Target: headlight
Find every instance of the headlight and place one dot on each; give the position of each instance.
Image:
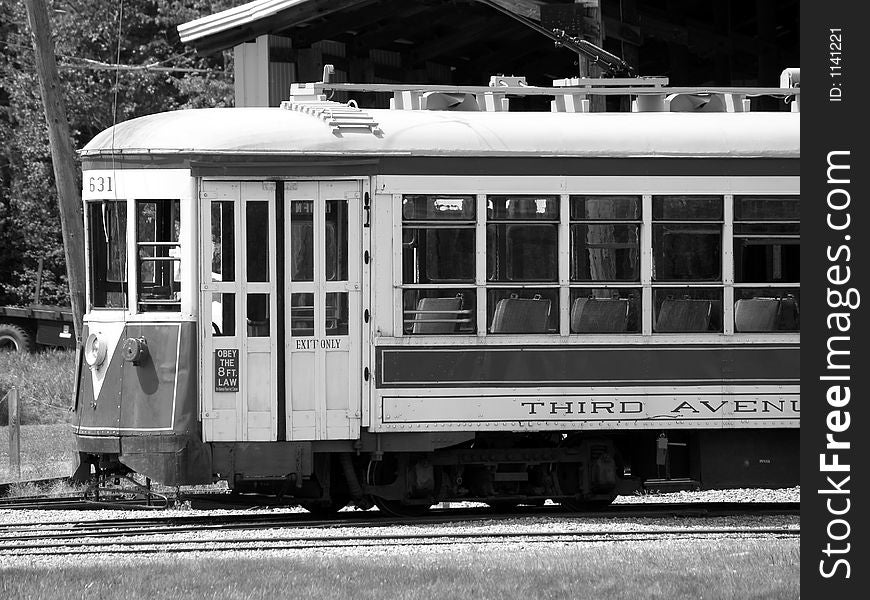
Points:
(95, 351)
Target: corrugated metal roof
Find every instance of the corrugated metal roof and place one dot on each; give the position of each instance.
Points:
(275, 131)
(256, 17)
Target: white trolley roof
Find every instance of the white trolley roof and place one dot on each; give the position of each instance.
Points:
(282, 132)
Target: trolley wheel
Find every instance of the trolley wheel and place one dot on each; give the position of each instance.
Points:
(324, 509)
(397, 508)
(384, 472)
(587, 505)
(569, 480)
(15, 338)
(503, 506)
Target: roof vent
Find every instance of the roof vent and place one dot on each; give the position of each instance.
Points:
(341, 117)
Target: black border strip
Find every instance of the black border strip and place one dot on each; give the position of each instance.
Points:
(269, 166)
(835, 50)
(500, 366)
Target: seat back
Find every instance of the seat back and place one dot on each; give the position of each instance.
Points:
(429, 319)
(521, 315)
(756, 314)
(684, 315)
(599, 315)
(789, 315)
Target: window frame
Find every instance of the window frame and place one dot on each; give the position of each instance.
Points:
(124, 284)
(726, 289)
(737, 287)
(412, 316)
(173, 303)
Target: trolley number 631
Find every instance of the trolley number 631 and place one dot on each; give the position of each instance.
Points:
(100, 184)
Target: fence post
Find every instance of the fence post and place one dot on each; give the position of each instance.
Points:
(14, 435)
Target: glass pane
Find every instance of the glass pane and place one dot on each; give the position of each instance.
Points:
(522, 310)
(687, 252)
(438, 208)
(766, 260)
(158, 226)
(257, 237)
(605, 252)
(525, 208)
(601, 310)
(301, 314)
(223, 265)
(687, 310)
(336, 240)
(687, 208)
(789, 229)
(146, 231)
(766, 208)
(336, 313)
(223, 315)
(766, 309)
(258, 315)
(605, 208)
(440, 311)
(522, 252)
(302, 240)
(107, 245)
(437, 255)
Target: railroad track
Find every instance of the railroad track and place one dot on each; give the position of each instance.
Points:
(130, 542)
(85, 500)
(157, 524)
(163, 532)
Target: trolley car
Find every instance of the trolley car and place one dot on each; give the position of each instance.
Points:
(408, 306)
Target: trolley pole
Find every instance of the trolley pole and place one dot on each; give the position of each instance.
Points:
(62, 157)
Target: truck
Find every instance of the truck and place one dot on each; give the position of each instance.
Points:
(26, 328)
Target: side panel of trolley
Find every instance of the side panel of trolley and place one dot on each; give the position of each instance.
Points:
(587, 387)
(702, 343)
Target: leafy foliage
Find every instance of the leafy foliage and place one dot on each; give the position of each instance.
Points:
(90, 37)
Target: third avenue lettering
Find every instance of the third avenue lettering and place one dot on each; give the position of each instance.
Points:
(638, 409)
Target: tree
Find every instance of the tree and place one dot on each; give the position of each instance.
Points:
(91, 37)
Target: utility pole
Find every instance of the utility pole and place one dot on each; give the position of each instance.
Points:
(62, 157)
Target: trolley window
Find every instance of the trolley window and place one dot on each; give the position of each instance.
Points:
(522, 263)
(605, 238)
(223, 264)
(687, 250)
(766, 263)
(438, 264)
(158, 224)
(605, 248)
(107, 247)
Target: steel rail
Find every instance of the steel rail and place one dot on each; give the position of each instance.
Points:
(376, 519)
(263, 543)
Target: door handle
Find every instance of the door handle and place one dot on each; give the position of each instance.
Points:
(367, 208)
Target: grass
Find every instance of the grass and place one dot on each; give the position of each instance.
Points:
(46, 451)
(700, 569)
(45, 383)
